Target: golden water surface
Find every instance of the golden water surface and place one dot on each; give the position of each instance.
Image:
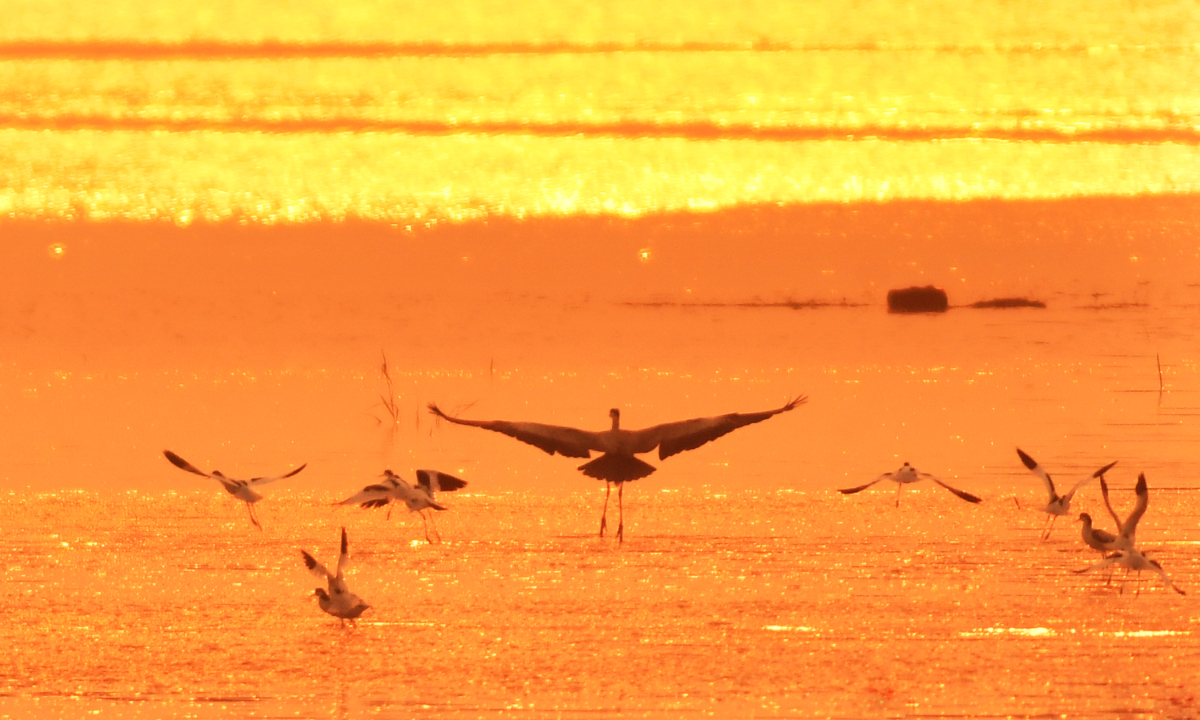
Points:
(219, 220)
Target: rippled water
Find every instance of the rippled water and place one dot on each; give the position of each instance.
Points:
(719, 603)
(746, 587)
(464, 112)
(216, 222)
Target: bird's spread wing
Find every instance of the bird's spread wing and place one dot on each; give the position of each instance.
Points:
(265, 480)
(1106, 562)
(1079, 486)
(1104, 492)
(371, 496)
(860, 488)
(1040, 472)
(566, 441)
(435, 481)
(315, 567)
(1098, 474)
(183, 464)
(961, 493)
(1163, 574)
(676, 437)
(1129, 527)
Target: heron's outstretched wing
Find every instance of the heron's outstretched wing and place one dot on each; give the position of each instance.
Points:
(1040, 472)
(435, 481)
(265, 480)
(860, 488)
(184, 464)
(566, 441)
(675, 437)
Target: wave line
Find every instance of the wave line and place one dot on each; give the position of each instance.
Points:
(235, 50)
(704, 130)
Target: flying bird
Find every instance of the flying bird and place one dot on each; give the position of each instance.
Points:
(1126, 537)
(909, 474)
(1059, 504)
(338, 601)
(618, 446)
(1136, 560)
(418, 498)
(240, 489)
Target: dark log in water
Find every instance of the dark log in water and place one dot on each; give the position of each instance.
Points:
(917, 299)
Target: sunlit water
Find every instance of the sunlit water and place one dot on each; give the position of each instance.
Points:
(216, 223)
(747, 586)
(467, 111)
(733, 604)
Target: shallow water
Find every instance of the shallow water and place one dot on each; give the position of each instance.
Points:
(216, 222)
(770, 603)
(746, 587)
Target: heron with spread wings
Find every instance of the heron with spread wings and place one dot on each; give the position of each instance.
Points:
(618, 446)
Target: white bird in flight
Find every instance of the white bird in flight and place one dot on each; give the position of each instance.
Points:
(338, 601)
(240, 489)
(909, 474)
(1126, 538)
(618, 446)
(1133, 559)
(1058, 504)
(418, 498)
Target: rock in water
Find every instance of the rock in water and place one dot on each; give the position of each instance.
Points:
(917, 299)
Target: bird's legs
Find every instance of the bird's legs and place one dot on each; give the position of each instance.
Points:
(1048, 526)
(425, 522)
(621, 512)
(436, 534)
(253, 519)
(604, 512)
(898, 486)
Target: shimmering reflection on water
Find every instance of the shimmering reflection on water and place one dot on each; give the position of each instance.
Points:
(732, 604)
